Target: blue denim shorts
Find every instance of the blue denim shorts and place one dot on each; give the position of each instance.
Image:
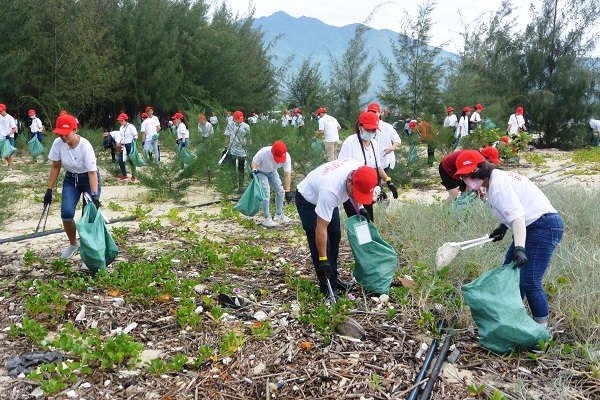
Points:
(73, 186)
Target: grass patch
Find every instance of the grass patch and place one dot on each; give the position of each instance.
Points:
(590, 154)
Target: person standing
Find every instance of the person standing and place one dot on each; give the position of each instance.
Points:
(328, 127)
(237, 136)
(363, 147)
(475, 119)
(516, 123)
(521, 206)
(317, 199)
(150, 134)
(124, 137)
(451, 120)
(8, 127)
(265, 164)
(77, 156)
(300, 118)
(284, 119)
(214, 121)
(387, 138)
(183, 133)
(462, 129)
(205, 128)
(36, 127)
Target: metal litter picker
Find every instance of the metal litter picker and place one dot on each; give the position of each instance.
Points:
(449, 250)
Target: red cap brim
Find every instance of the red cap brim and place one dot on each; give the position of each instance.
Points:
(495, 160)
(362, 198)
(465, 170)
(62, 131)
(280, 159)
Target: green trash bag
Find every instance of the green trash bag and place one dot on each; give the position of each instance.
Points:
(35, 147)
(499, 312)
(595, 140)
(375, 260)
(463, 202)
(135, 156)
(317, 146)
(490, 124)
(251, 199)
(6, 149)
(96, 245)
(413, 155)
(186, 156)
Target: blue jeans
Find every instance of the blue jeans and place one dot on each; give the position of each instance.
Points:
(122, 164)
(271, 179)
(308, 216)
(12, 141)
(542, 237)
(39, 135)
(73, 186)
(151, 148)
(183, 143)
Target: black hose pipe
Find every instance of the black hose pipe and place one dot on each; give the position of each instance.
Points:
(439, 362)
(428, 358)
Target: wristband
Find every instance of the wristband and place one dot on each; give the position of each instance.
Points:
(94, 193)
(388, 179)
(324, 258)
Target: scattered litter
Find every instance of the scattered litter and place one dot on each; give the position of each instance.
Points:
(37, 393)
(130, 327)
(235, 302)
(226, 361)
(71, 394)
(81, 315)
(259, 369)
(306, 345)
(421, 350)
(199, 310)
(23, 364)
(260, 316)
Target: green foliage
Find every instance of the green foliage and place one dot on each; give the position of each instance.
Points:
(590, 154)
(50, 301)
(307, 88)
(56, 377)
(119, 234)
(231, 342)
(262, 329)
(31, 329)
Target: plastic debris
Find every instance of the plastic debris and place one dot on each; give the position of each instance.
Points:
(24, 364)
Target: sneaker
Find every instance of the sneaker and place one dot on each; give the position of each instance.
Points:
(10, 168)
(69, 251)
(133, 180)
(268, 223)
(282, 219)
(123, 178)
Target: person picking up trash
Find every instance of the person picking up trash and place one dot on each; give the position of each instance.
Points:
(317, 199)
(519, 204)
(76, 154)
(363, 147)
(264, 168)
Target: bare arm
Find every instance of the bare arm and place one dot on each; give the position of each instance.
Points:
(321, 236)
(382, 174)
(54, 170)
(93, 177)
(287, 177)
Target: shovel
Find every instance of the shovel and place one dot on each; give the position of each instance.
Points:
(44, 214)
(349, 327)
(449, 250)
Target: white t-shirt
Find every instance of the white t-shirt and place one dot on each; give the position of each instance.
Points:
(7, 123)
(325, 186)
(329, 126)
(450, 121)
(205, 129)
(284, 121)
(182, 131)
(213, 120)
(595, 124)
(229, 118)
(386, 137)
(462, 129)
(36, 125)
(127, 133)
(79, 160)
(512, 196)
(150, 126)
(515, 122)
(351, 149)
(300, 120)
(265, 162)
(475, 117)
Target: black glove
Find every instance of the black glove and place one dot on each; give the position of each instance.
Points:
(48, 197)
(288, 196)
(96, 200)
(392, 187)
(363, 211)
(323, 269)
(177, 141)
(519, 257)
(498, 233)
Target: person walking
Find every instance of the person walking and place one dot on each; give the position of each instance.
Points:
(77, 156)
(8, 127)
(183, 133)
(205, 128)
(150, 133)
(516, 123)
(387, 139)
(363, 147)
(124, 137)
(300, 118)
(475, 119)
(328, 127)
(521, 206)
(214, 121)
(317, 199)
(265, 164)
(237, 137)
(36, 127)
(451, 121)
(462, 128)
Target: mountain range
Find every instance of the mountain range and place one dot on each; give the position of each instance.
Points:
(305, 37)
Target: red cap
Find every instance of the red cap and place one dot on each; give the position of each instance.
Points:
(298, 110)
(479, 107)
(65, 124)
(491, 153)
(519, 110)
(2, 107)
(364, 181)
(238, 116)
(369, 120)
(279, 149)
(144, 115)
(148, 108)
(450, 108)
(374, 107)
(177, 115)
(31, 112)
(122, 117)
(505, 139)
(321, 110)
(63, 112)
(412, 124)
(467, 162)
(467, 109)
